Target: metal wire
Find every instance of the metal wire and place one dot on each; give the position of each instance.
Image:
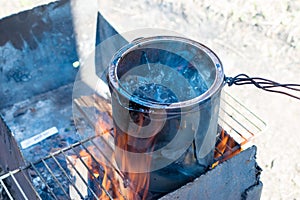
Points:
(79, 174)
(235, 122)
(264, 84)
(95, 160)
(29, 183)
(6, 190)
(43, 180)
(66, 175)
(54, 177)
(99, 185)
(18, 185)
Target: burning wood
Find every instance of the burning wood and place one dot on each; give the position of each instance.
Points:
(226, 148)
(115, 182)
(74, 164)
(93, 168)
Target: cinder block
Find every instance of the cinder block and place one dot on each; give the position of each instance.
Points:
(229, 180)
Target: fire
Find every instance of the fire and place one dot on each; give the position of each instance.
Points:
(112, 168)
(137, 181)
(226, 148)
(118, 184)
(121, 184)
(115, 182)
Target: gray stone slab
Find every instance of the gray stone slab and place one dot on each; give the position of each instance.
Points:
(228, 180)
(254, 192)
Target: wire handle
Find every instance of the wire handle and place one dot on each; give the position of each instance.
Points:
(262, 83)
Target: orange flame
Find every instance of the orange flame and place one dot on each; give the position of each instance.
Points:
(139, 182)
(134, 186)
(120, 185)
(226, 148)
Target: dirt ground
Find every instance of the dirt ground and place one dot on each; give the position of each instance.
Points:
(259, 38)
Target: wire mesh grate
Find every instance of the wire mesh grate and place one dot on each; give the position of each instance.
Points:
(69, 174)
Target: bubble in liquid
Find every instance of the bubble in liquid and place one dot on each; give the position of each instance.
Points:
(159, 83)
(155, 93)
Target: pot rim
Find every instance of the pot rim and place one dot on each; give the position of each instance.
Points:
(217, 85)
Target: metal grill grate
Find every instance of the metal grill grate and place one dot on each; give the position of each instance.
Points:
(65, 174)
(239, 122)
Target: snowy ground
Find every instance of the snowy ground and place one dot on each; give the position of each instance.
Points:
(259, 38)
